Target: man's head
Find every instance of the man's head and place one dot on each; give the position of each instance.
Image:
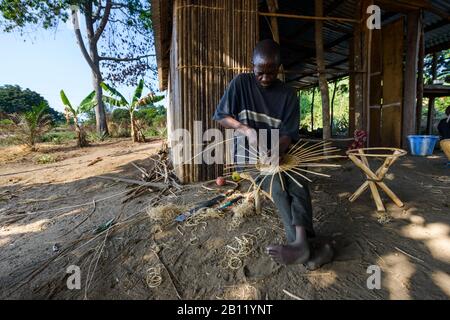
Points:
(447, 111)
(266, 62)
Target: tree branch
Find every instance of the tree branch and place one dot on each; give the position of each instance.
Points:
(104, 20)
(125, 59)
(96, 16)
(81, 42)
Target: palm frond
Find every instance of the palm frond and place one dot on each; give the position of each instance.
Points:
(67, 103)
(114, 92)
(113, 102)
(138, 92)
(88, 103)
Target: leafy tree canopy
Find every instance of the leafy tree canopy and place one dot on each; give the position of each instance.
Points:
(124, 39)
(14, 99)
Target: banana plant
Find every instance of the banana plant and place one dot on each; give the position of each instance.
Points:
(87, 104)
(116, 99)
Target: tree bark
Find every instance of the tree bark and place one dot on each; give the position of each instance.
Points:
(133, 127)
(323, 84)
(100, 115)
(92, 58)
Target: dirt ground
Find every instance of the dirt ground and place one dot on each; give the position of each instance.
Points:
(46, 210)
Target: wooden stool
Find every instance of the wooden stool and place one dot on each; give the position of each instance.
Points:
(374, 179)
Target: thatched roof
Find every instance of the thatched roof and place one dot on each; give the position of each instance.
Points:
(162, 28)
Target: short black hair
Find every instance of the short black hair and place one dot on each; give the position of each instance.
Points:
(447, 111)
(267, 50)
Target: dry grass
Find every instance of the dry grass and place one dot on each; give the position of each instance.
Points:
(165, 214)
(241, 212)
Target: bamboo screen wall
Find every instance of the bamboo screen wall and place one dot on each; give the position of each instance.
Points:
(212, 41)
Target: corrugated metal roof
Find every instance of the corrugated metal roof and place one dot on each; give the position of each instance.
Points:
(297, 36)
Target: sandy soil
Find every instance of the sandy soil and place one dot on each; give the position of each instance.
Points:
(42, 205)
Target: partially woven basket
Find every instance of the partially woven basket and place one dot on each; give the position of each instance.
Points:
(445, 146)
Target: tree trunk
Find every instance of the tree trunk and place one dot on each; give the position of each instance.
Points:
(323, 84)
(92, 59)
(100, 115)
(133, 127)
(81, 137)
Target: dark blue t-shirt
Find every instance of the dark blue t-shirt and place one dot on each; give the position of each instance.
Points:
(275, 107)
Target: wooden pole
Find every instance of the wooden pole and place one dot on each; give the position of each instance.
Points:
(312, 109)
(367, 53)
(332, 107)
(323, 83)
(273, 7)
(410, 82)
(420, 79)
(431, 100)
(358, 87)
(351, 96)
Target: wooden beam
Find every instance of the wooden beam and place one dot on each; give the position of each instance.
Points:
(410, 82)
(321, 67)
(301, 17)
(438, 47)
(436, 25)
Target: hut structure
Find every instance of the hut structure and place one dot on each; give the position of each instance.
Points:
(202, 44)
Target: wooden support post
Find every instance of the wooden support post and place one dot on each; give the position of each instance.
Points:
(420, 79)
(410, 83)
(367, 54)
(312, 109)
(323, 84)
(351, 96)
(273, 7)
(430, 117)
(358, 77)
(332, 107)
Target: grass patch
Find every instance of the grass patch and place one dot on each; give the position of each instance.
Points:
(46, 158)
(59, 137)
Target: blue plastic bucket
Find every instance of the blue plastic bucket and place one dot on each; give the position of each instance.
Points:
(422, 145)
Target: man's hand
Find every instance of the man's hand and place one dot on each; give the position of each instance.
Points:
(251, 135)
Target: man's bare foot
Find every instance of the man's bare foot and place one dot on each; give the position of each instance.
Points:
(320, 256)
(290, 253)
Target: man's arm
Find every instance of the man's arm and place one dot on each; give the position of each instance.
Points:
(229, 122)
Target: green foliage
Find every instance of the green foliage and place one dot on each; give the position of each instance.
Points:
(443, 67)
(46, 158)
(120, 115)
(14, 99)
(59, 137)
(19, 13)
(86, 105)
(93, 136)
(6, 122)
(141, 110)
(152, 116)
(30, 126)
(127, 32)
(340, 109)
